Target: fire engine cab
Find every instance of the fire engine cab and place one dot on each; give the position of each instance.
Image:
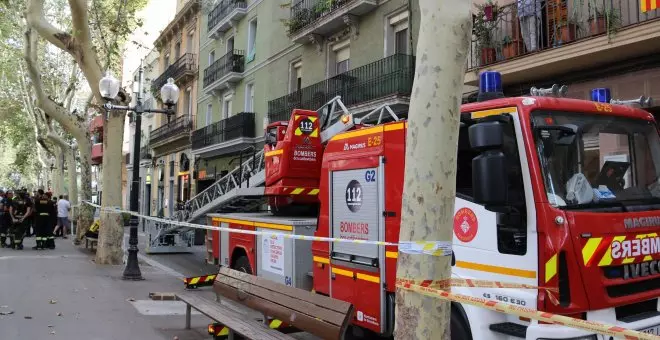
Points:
(550, 192)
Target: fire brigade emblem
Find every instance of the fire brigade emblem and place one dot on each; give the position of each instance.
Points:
(306, 140)
(465, 225)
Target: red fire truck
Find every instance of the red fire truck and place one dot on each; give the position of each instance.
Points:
(550, 192)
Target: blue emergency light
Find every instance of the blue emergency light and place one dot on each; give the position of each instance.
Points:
(490, 86)
(601, 95)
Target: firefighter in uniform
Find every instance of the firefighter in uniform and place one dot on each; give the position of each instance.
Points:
(20, 210)
(43, 210)
(4, 218)
(52, 222)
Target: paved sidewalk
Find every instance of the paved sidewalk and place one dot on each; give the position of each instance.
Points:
(63, 294)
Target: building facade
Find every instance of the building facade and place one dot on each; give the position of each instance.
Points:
(583, 44)
(151, 70)
(260, 60)
(169, 141)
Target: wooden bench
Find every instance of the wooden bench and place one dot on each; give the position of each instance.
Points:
(316, 314)
(91, 241)
(237, 323)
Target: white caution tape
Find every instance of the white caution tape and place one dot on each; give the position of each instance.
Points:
(436, 248)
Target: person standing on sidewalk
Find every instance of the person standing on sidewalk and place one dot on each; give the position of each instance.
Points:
(20, 210)
(63, 208)
(43, 211)
(5, 222)
(4, 206)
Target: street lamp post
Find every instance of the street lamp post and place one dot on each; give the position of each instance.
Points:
(109, 88)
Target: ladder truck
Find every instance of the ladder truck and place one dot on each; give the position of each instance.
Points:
(551, 192)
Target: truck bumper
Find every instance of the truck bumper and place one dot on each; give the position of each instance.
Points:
(537, 331)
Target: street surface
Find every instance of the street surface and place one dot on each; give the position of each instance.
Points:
(63, 294)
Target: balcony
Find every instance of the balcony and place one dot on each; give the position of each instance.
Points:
(224, 16)
(573, 35)
(182, 70)
(225, 72)
(178, 128)
(310, 18)
(97, 153)
(96, 124)
(226, 136)
(145, 153)
(388, 80)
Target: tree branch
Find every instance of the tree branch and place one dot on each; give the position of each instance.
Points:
(79, 45)
(36, 19)
(48, 105)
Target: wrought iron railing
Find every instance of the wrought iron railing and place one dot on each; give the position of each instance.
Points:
(389, 76)
(222, 9)
(502, 33)
(186, 64)
(177, 126)
(305, 13)
(233, 61)
(239, 125)
(145, 153)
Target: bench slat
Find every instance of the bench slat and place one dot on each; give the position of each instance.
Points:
(316, 299)
(297, 305)
(303, 322)
(248, 328)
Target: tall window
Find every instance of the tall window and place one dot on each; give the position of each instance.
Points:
(177, 50)
(166, 61)
(398, 34)
(252, 41)
(209, 114)
(339, 59)
(190, 41)
(211, 57)
(226, 107)
(296, 76)
(249, 97)
(188, 102)
(230, 45)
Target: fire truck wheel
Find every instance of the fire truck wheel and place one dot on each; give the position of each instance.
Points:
(243, 264)
(458, 326)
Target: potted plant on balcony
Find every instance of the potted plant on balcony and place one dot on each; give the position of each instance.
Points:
(482, 29)
(512, 47)
(604, 20)
(566, 31)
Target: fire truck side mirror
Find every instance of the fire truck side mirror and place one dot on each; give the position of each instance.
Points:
(489, 171)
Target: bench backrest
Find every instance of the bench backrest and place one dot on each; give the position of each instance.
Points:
(317, 314)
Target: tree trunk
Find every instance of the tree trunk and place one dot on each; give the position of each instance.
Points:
(86, 212)
(429, 188)
(73, 177)
(111, 232)
(59, 172)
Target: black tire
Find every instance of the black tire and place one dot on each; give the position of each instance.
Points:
(243, 264)
(459, 328)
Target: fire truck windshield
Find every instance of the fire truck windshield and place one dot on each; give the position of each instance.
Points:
(595, 161)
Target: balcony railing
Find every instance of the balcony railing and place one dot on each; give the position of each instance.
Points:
(498, 36)
(231, 62)
(145, 153)
(306, 13)
(178, 126)
(239, 125)
(223, 9)
(185, 65)
(389, 76)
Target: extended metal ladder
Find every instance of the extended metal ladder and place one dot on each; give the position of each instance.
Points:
(242, 189)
